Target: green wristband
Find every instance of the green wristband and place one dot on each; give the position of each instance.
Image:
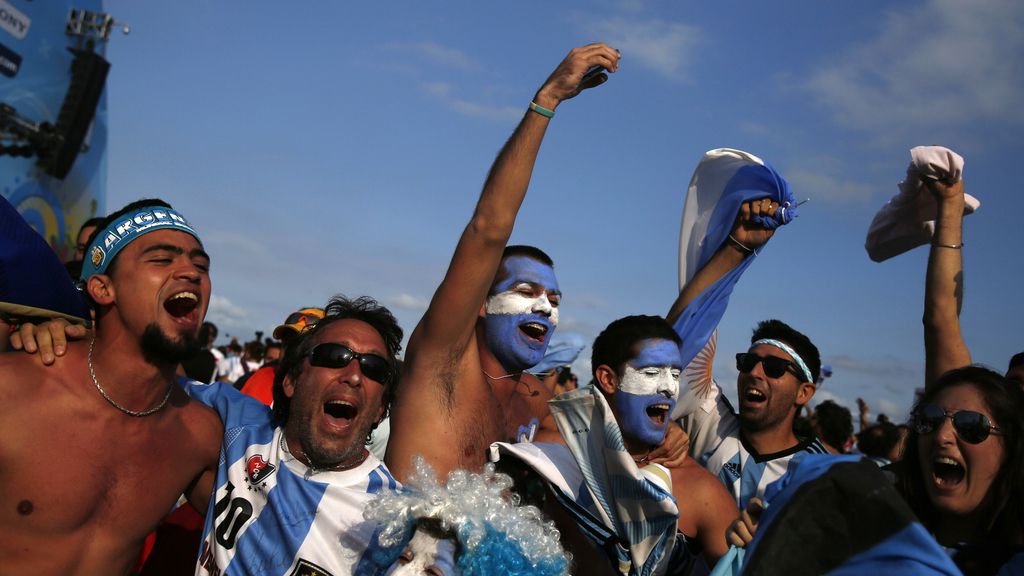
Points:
(545, 112)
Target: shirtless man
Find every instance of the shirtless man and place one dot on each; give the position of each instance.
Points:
(463, 384)
(96, 449)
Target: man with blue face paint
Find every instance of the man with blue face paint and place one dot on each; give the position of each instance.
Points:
(636, 366)
(647, 391)
(464, 383)
(522, 311)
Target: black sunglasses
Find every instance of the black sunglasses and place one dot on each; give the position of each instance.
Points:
(973, 427)
(334, 355)
(773, 366)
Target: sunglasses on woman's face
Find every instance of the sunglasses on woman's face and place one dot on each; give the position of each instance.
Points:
(972, 427)
(773, 366)
(334, 355)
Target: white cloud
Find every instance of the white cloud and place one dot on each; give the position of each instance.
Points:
(409, 302)
(820, 186)
(443, 92)
(890, 409)
(939, 64)
(823, 394)
(881, 368)
(228, 316)
(663, 46)
(436, 53)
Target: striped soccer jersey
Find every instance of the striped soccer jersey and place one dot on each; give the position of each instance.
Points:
(272, 515)
(716, 442)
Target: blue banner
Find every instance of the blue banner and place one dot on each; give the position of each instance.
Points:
(35, 62)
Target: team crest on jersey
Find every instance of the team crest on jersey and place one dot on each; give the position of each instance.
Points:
(307, 568)
(257, 470)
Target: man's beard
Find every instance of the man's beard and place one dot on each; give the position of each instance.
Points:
(323, 459)
(158, 349)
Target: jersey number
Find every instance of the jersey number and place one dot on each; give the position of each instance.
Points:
(239, 511)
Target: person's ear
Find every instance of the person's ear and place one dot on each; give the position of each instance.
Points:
(805, 392)
(101, 289)
(606, 378)
(288, 386)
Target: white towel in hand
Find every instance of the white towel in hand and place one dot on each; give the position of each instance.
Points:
(908, 219)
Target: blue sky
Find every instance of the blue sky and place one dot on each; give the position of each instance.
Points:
(340, 147)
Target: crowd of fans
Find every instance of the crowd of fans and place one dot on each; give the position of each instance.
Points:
(324, 450)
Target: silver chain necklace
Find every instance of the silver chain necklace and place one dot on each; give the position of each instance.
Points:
(115, 404)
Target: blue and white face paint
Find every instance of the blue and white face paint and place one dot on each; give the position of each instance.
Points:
(426, 554)
(521, 313)
(648, 391)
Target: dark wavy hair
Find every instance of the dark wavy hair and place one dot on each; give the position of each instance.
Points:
(339, 307)
(1005, 403)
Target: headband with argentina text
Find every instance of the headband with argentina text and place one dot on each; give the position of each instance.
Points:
(122, 231)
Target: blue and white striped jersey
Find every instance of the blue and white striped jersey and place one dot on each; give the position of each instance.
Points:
(717, 443)
(272, 515)
(715, 436)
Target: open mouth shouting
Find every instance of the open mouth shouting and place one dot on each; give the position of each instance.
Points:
(643, 419)
(184, 308)
(753, 398)
(340, 414)
(535, 331)
(658, 413)
(947, 473)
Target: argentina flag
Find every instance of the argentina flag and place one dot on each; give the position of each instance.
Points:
(722, 182)
(637, 502)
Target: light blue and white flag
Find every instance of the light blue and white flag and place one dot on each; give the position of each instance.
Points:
(637, 501)
(722, 182)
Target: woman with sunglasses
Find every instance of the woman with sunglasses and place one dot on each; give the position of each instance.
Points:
(964, 464)
(964, 455)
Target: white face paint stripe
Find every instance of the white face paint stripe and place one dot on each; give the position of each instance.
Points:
(651, 381)
(512, 302)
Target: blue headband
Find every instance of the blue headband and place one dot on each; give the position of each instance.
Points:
(121, 232)
(796, 357)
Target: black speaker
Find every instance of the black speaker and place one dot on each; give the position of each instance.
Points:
(88, 76)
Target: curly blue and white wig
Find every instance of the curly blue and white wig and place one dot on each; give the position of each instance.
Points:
(494, 535)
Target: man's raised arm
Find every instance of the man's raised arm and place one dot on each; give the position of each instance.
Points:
(746, 237)
(944, 345)
(449, 322)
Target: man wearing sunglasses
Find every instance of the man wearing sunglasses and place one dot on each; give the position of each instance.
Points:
(748, 449)
(293, 480)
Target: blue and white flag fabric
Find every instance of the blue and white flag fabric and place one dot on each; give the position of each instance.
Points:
(563, 350)
(638, 502)
(841, 515)
(722, 182)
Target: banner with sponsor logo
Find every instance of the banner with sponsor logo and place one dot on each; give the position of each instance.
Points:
(35, 73)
